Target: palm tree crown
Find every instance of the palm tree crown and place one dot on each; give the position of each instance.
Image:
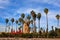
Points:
(22, 15)
(12, 20)
(21, 20)
(28, 17)
(6, 20)
(57, 16)
(39, 16)
(32, 13)
(46, 10)
(16, 22)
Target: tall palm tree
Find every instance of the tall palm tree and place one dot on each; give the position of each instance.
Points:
(6, 20)
(34, 18)
(12, 20)
(28, 17)
(21, 21)
(32, 24)
(22, 16)
(46, 12)
(39, 17)
(16, 24)
(57, 17)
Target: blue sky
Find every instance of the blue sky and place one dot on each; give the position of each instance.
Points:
(13, 8)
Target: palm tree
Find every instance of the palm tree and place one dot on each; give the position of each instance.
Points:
(57, 17)
(32, 24)
(39, 17)
(34, 18)
(12, 20)
(28, 22)
(21, 21)
(6, 20)
(22, 15)
(28, 17)
(16, 24)
(46, 12)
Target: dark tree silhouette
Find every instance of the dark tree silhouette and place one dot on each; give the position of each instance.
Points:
(16, 24)
(6, 20)
(39, 17)
(12, 20)
(57, 17)
(46, 12)
(34, 18)
(22, 15)
(28, 17)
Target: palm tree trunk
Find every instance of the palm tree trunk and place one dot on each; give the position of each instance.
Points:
(34, 27)
(58, 23)
(12, 27)
(6, 28)
(16, 27)
(39, 24)
(22, 27)
(47, 24)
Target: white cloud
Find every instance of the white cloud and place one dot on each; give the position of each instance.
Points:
(2, 7)
(51, 13)
(4, 3)
(52, 2)
(28, 10)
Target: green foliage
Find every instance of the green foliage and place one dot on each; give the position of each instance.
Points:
(57, 16)
(12, 20)
(39, 16)
(6, 20)
(46, 10)
(52, 33)
(22, 15)
(28, 17)
(16, 22)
